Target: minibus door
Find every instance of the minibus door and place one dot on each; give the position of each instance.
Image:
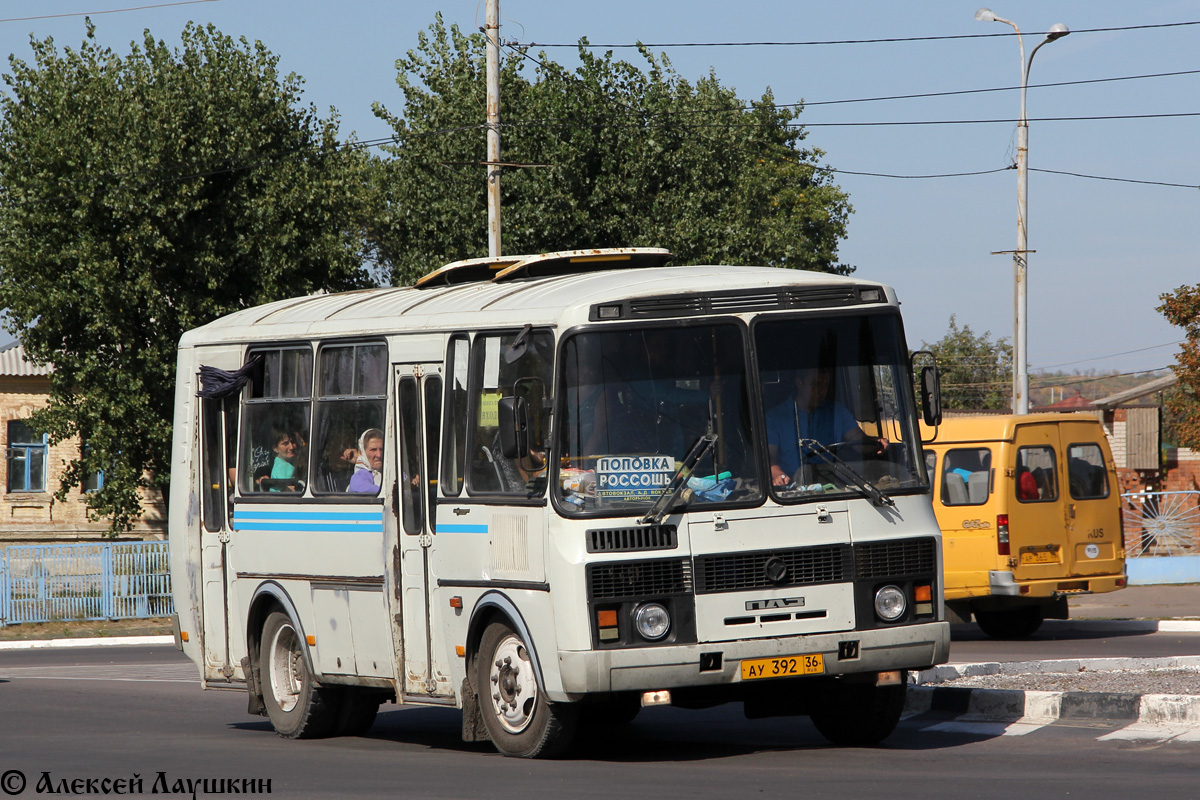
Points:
(1036, 524)
(217, 435)
(1092, 507)
(418, 423)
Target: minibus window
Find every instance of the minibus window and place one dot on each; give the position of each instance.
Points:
(1037, 472)
(966, 476)
(1086, 472)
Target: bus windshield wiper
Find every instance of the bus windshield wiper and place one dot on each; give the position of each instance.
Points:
(673, 489)
(848, 473)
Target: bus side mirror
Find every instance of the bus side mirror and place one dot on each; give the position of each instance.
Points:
(514, 427)
(931, 396)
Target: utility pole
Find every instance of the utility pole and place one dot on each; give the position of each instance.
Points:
(492, 31)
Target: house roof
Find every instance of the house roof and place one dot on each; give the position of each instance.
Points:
(14, 364)
(1129, 395)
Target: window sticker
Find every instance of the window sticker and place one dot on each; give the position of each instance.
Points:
(631, 478)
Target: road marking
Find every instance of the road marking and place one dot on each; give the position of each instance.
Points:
(170, 673)
(1018, 728)
(1142, 732)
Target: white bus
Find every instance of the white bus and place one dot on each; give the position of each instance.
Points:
(551, 490)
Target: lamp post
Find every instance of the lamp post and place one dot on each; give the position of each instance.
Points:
(1020, 262)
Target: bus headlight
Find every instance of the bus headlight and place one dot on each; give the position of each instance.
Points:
(890, 603)
(652, 621)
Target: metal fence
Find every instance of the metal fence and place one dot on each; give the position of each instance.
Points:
(1161, 523)
(44, 583)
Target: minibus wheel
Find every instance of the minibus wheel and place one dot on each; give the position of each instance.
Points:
(296, 706)
(1012, 623)
(519, 719)
(857, 714)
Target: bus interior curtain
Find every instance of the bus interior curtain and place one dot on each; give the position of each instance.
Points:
(217, 383)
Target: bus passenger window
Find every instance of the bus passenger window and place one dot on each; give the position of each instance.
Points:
(276, 430)
(351, 397)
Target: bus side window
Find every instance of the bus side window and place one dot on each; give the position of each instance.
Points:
(455, 446)
(516, 364)
(277, 421)
(351, 398)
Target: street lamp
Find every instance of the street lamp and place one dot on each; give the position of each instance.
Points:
(1020, 262)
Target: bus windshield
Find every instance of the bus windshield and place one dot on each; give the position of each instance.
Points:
(837, 401)
(636, 403)
(834, 394)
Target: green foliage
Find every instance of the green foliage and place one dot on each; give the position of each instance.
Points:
(976, 372)
(147, 194)
(1182, 309)
(625, 157)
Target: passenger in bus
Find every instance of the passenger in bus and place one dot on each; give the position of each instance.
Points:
(338, 463)
(1027, 488)
(812, 413)
(285, 465)
(368, 476)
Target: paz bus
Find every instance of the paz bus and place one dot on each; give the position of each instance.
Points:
(542, 490)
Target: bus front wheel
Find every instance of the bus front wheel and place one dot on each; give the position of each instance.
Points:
(296, 706)
(858, 714)
(519, 719)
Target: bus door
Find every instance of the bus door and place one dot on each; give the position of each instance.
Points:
(218, 437)
(1037, 519)
(418, 425)
(1093, 510)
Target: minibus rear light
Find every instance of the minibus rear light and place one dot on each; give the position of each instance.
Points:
(1002, 535)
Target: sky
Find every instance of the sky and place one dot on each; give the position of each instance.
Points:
(1105, 246)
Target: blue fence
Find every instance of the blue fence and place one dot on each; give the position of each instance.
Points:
(43, 583)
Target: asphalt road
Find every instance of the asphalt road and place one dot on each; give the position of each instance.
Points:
(117, 712)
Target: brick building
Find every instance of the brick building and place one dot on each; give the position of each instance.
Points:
(29, 511)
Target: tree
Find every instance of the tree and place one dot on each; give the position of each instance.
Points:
(145, 195)
(976, 372)
(616, 156)
(1182, 309)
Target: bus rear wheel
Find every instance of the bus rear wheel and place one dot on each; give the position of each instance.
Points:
(858, 714)
(296, 706)
(519, 719)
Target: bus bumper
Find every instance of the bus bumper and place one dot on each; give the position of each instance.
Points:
(652, 668)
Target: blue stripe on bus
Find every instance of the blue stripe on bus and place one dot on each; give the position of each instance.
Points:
(444, 528)
(305, 526)
(369, 516)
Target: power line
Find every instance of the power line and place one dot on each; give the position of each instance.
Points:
(1112, 355)
(110, 11)
(831, 42)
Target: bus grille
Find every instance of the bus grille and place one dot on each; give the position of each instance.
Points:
(895, 559)
(808, 566)
(637, 579)
(628, 540)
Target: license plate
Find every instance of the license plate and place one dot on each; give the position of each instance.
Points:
(1040, 557)
(783, 667)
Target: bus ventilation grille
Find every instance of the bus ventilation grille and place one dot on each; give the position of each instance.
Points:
(632, 540)
(631, 580)
(742, 301)
(895, 559)
(733, 572)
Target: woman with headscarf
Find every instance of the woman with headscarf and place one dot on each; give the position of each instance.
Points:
(368, 476)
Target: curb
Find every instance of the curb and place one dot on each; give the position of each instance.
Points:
(1042, 707)
(107, 641)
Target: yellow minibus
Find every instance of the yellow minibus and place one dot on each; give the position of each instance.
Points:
(1030, 515)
